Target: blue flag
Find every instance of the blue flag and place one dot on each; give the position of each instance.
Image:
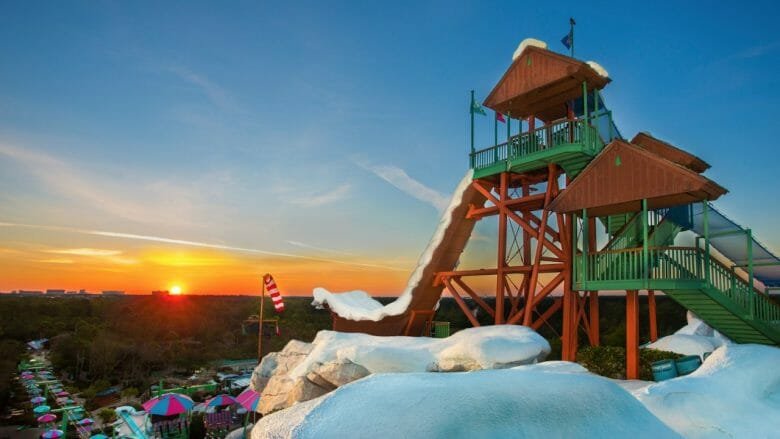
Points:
(567, 40)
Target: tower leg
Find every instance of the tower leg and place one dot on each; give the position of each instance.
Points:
(593, 311)
(652, 315)
(632, 334)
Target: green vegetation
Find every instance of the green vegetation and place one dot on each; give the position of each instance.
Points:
(610, 361)
(134, 341)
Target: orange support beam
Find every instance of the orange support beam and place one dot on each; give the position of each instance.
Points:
(501, 259)
(652, 315)
(593, 310)
(632, 334)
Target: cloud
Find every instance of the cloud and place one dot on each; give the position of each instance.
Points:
(153, 204)
(93, 252)
(164, 240)
(312, 247)
(56, 261)
(215, 93)
(322, 198)
(402, 181)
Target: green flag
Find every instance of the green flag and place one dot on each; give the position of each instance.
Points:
(477, 109)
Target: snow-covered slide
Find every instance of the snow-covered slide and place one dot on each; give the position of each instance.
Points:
(356, 311)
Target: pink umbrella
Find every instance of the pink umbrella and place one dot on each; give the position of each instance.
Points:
(47, 418)
(249, 399)
(221, 401)
(38, 400)
(86, 421)
(169, 404)
(62, 393)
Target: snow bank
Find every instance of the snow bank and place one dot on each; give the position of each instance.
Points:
(535, 401)
(484, 347)
(525, 43)
(735, 393)
(598, 68)
(358, 305)
(695, 338)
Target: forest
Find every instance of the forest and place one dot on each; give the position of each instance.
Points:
(132, 341)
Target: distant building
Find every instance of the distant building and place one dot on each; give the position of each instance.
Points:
(30, 292)
(113, 293)
(161, 293)
(55, 292)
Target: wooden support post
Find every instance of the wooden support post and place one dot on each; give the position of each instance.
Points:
(501, 259)
(260, 322)
(593, 316)
(652, 315)
(632, 334)
(551, 182)
(459, 300)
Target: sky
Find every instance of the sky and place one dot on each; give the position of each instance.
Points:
(202, 144)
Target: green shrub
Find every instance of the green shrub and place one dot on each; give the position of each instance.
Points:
(610, 361)
(106, 415)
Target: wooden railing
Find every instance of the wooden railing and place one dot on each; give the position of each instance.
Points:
(680, 266)
(545, 138)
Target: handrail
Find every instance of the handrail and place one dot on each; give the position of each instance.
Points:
(547, 137)
(677, 263)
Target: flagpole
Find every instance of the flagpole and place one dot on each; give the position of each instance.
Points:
(495, 128)
(260, 322)
(571, 31)
(471, 112)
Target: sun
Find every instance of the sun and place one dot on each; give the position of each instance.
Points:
(175, 290)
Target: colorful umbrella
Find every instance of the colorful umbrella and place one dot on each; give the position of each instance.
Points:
(221, 401)
(38, 400)
(41, 409)
(52, 434)
(27, 376)
(86, 421)
(98, 436)
(168, 404)
(62, 393)
(48, 417)
(249, 399)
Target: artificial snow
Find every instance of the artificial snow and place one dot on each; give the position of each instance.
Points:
(359, 305)
(485, 347)
(695, 338)
(598, 68)
(526, 43)
(528, 401)
(735, 393)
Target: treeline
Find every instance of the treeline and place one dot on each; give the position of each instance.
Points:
(131, 341)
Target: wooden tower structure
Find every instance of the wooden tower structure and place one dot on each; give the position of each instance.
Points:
(555, 102)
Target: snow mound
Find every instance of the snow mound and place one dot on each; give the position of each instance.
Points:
(358, 305)
(684, 344)
(522, 402)
(735, 393)
(484, 347)
(695, 338)
(598, 68)
(525, 43)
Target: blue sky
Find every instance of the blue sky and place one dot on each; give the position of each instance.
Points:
(310, 128)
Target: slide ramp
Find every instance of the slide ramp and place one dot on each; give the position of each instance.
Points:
(409, 314)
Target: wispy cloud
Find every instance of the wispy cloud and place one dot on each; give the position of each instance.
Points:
(321, 249)
(164, 240)
(56, 261)
(216, 94)
(93, 252)
(403, 182)
(148, 205)
(322, 198)
(750, 52)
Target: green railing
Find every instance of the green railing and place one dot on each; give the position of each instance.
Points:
(680, 268)
(545, 138)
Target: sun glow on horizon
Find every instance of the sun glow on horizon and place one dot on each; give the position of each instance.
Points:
(176, 290)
